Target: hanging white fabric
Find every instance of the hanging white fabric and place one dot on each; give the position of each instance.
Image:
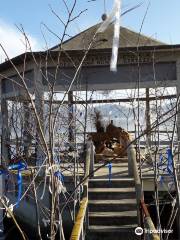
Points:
(116, 13)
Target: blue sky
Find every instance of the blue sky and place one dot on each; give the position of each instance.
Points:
(162, 20)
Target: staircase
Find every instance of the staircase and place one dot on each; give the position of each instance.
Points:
(112, 206)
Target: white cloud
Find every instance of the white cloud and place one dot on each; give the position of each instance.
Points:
(13, 41)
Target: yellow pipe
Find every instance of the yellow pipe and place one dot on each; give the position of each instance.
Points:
(78, 226)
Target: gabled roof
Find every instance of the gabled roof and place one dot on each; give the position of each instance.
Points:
(128, 38)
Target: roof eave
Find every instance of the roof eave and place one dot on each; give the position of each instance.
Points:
(30, 55)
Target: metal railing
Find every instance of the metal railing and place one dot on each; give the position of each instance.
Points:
(81, 222)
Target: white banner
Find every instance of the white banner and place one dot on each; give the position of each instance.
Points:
(116, 13)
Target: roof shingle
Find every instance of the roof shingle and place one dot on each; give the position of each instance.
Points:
(128, 38)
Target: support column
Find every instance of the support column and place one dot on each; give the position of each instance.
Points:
(26, 134)
(71, 137)
(39, 104)
(5, 140)
(178, 137)
(4, 154)
(178, 94)
(148, 119)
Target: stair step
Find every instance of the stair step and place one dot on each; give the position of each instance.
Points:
(112, 232)
(116, 190)
(122, 201)
(113, 218)
(103, 228)
(116, 175)
(112, 193)
(122, 164)
(112, 236)
(105, 183)
(101, 158)
(112, 205)
(112, 214)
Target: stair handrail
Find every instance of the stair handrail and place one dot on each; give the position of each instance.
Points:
(151, 231)
(133, 170)
(78, 232)
(89, 161)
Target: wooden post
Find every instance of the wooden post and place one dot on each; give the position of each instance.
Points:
(148, 119)
(71, 137)
(4, 154)
(178, 136)
(92, 160)
(26, 134)
(5, 148)
(39, 104)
